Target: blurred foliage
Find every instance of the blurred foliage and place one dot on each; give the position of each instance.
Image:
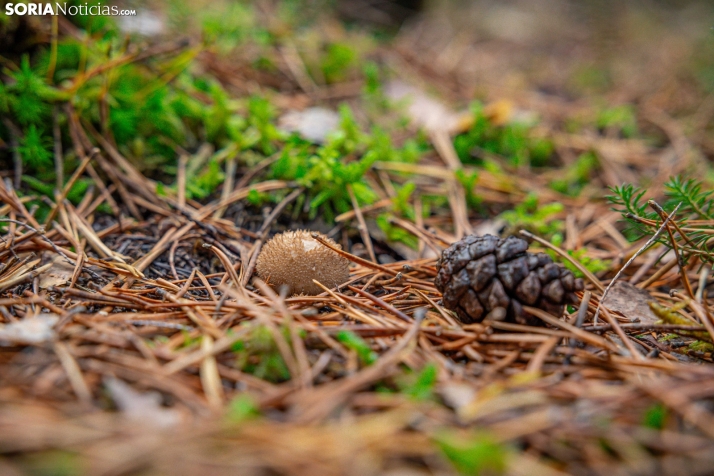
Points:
(513, 141)
(171, 102)
(594, 265)
(620, 119)
(655, 417)
(695, 204)
(419, 385)
(259, 355)
(577, 175)
(355, 343)
(477, 454)
(396, 233)
(242, 408)
(52, 463)
(534, 217)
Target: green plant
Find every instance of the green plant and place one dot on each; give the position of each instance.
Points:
(53, 463)
(701, 346)
(621, 119)
(594, 265)
(695, 203)
(242, 408)
(261, 123)
(396, 233)
(34, 148)
(75, 194)
(420, 385)
(327, 173)
(228, 27)
(475, 454)
(401, 203)
(259, 355)
(577, 175)
(469, 181)
(655, 417)
(513, 140)
(372, 80)
(532, 216)
(27, 96)
(337, 61)
(190, 341)
(354, 342)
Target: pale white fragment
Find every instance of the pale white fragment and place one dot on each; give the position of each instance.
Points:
(313, 124)
(141, 407)
(31, 330)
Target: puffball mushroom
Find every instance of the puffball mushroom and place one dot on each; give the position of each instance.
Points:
(295, 258)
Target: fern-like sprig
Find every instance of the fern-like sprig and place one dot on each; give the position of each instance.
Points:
(629, 199)
(34, 148)
(689, 193)
(696, 205)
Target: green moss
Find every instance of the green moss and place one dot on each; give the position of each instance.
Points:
(258, 355)
(338, 60)
(619, 118)
(35, 149)
(51, 463)
(241, 408)
(700, 346)
(576, 176)
(513, 141)
(594, 265)
(476, 454)
(532, 216)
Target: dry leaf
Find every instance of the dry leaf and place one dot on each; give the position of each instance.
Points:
(31, 330)
(632, 302)
(457, 395)
(59, 273)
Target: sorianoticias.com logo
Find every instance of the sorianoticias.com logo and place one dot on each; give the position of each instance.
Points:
(65, 9)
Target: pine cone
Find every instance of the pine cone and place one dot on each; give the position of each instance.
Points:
(488, 277)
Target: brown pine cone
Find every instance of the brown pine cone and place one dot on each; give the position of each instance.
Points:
(488, 277)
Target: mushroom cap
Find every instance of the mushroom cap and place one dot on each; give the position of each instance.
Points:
(295, 258)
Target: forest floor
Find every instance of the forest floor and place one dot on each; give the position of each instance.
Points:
(147, 161)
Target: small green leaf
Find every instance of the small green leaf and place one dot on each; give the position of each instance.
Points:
(474, 455)
(354, 342)
(242, 408)
(422, 388)
(655, 417)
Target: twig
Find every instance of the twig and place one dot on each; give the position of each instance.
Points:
(56, 132)
(578, 333)
(361, 224)
(634, 256)
(41, 234)
(675, 248)
(355, 259)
